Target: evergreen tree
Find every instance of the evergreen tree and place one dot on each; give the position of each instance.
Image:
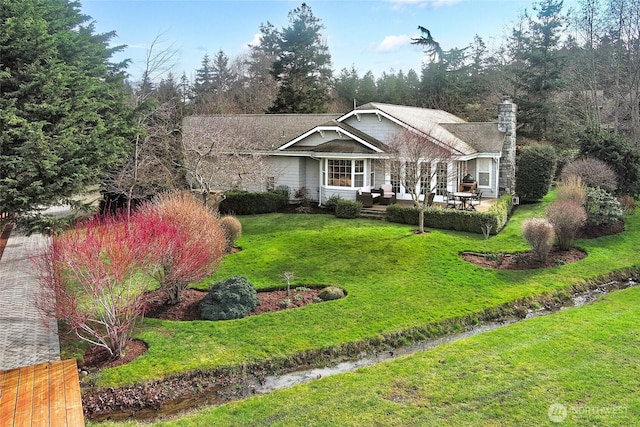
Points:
(223, 77)
(540, 79)
(63, 117)
(367, 90)
(204, 81)
(303, 65)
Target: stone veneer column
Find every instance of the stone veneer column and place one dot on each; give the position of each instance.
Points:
(507, 124)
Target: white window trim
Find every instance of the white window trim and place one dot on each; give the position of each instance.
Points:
(489, 162)
(365, 174)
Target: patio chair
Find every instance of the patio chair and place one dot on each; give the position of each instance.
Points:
(475, 200)
(388, 196)
(451, 201)
(367, 197)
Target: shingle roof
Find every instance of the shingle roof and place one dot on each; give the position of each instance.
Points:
(264, 131)
(466, 138)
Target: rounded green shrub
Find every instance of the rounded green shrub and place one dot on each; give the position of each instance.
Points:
(348, 209)
(331, 293)
(535, 170)
(233, 298)
(232, 229)
(602, 207)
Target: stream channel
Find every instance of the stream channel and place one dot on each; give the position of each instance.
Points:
(252, 385)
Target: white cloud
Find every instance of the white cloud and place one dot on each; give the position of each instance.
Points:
(393, 43)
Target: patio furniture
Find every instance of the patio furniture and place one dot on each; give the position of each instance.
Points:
(388, 197)
(475, 200)
(464, 197)
(451, 201)
(367, 197)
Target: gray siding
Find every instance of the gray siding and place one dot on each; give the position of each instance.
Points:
(383, 130)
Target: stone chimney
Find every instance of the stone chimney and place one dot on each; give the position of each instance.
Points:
(507, 125)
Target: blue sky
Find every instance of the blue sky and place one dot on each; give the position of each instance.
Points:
(371, 35)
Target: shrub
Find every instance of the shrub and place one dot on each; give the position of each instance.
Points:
(571, 188)
(332, 202)
(566, 217)
(182, 237)
(91, 280)
(602, 207)
(330, 293)
(348, 209)
(233, 298)
(627, 204)
(539, 234)
(536, 167)
(619, 153)
(247, 203)
(451, 219)
(592, 172)
(232, 229)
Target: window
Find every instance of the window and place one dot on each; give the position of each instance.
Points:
(395, 176)
(484, 172)
(425, 178)
(345, 173)
(271, 183)
(442, 178)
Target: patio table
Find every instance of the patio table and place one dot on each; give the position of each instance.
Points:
(463, 196)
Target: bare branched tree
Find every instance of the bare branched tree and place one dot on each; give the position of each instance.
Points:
(413, 159)
(154, 163)
(223, 157)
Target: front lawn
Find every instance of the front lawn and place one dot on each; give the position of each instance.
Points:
(395, 280)
(577, 367)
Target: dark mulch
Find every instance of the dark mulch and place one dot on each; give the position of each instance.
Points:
(528, 260)
(523, 260)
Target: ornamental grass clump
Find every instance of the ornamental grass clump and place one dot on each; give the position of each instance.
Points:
(567, 217)
(232, 229)
(233, 298)
(572, 188)
(540, 235)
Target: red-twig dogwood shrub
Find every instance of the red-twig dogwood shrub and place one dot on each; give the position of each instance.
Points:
(92, 280)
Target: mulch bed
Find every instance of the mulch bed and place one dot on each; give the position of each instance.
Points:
(96, 358)
(529, 261)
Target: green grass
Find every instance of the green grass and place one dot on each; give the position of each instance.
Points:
(586, 359)
(395, 281)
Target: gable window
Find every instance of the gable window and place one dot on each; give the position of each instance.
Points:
(345, 173)
(484, 172)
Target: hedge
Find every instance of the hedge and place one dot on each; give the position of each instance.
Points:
(247, 203)
(453, 219)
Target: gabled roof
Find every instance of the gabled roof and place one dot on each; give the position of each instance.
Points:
(370, 143)
(264, 131)
(425, 120)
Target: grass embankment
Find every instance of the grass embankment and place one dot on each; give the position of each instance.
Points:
(580, 367)
(395, 281)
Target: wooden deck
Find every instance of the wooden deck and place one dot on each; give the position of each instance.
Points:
(47, 394)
